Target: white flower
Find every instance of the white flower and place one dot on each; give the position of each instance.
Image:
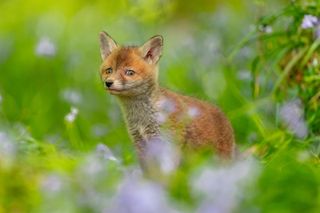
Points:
(71, 116)
(309, 21)
(266, 29)
(45, 47)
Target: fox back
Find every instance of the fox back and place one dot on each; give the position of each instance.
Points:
(131, 74)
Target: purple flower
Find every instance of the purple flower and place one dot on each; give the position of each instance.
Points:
(52, 183)
(7, 147)
(137, 195)
(72, 96)
(193, 112)
(317, 31)
(104, 151)
(309, 21)
(45, 47)
(166, 105)
(162, 154)
(222, 186)
(291, 113)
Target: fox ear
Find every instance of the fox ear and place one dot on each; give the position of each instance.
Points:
(152, 49)
(107, 45)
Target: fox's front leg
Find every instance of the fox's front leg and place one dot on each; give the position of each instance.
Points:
(143, 142)
(140, 145)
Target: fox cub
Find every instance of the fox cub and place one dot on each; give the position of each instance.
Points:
(131, 74)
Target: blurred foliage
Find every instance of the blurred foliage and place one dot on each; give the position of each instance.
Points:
(252, 58)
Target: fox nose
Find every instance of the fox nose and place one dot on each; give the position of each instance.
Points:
(108, 84)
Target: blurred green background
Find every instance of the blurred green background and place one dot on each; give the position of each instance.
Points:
(254, 59)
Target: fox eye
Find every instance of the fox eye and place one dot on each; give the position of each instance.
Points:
(109, 70)
(129, 72)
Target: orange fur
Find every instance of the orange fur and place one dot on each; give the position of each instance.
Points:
(149, 109)
(207, 128)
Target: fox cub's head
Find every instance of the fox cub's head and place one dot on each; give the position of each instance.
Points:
(129, 71)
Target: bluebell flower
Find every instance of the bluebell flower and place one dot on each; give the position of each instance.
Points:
(309, 21)
(45, 47)
(291, 113)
